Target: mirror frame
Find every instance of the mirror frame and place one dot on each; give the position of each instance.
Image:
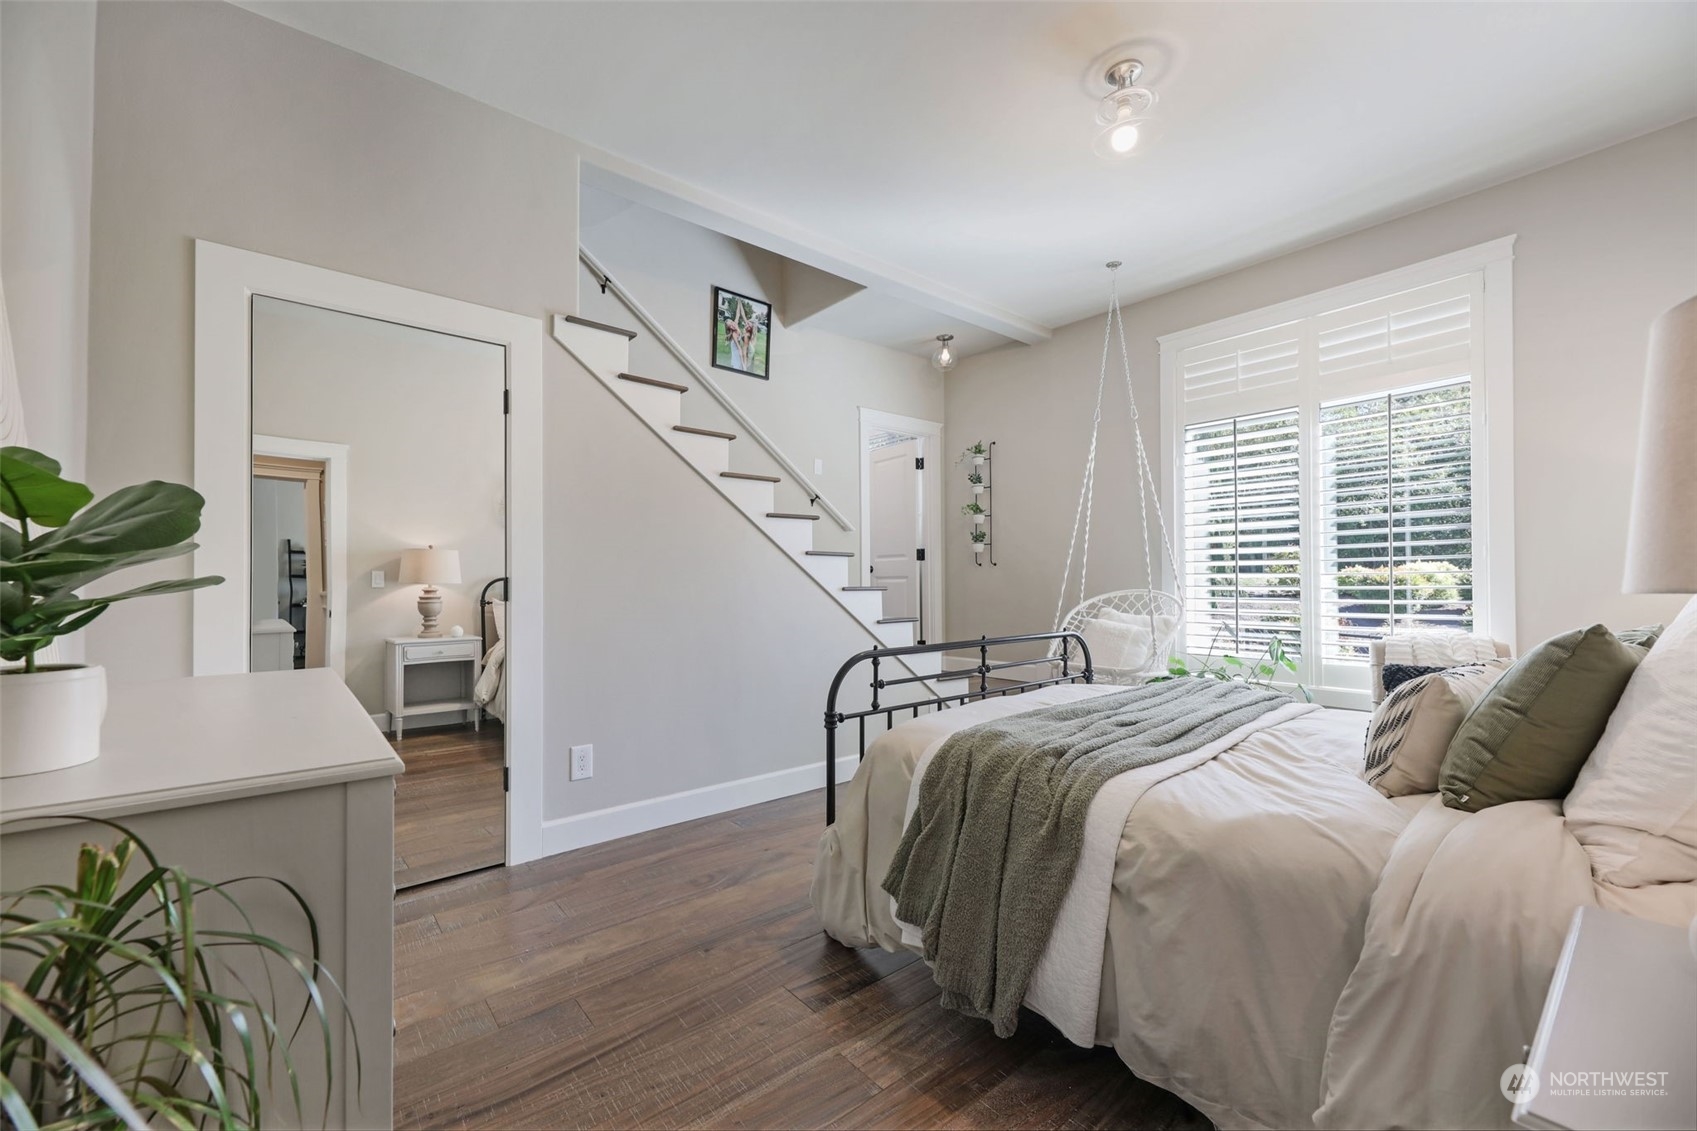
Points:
(225, 283)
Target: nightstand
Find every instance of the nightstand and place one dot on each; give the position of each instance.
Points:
(431, 676)
(1618, 1038)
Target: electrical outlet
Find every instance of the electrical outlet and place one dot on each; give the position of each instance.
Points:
(377, 579)
(583, 762)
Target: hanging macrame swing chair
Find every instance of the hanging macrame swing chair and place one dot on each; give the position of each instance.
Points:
(1130, 632)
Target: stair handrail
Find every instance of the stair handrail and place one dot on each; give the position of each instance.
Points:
(752, 429)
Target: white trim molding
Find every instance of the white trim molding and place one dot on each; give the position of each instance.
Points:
(930, 431)
(226, 281)
(1490, 267)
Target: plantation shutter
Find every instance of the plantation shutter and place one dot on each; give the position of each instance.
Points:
(1395, 546)
(1242, 533)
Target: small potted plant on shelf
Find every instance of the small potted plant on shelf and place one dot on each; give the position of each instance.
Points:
(975, 512)
(976, 479)
(50, 714)
(977, 454)
(980, 540)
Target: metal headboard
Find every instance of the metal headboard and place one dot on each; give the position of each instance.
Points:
(483, 603)
(835, 718)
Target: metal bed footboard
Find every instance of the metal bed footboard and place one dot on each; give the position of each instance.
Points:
(877, 684)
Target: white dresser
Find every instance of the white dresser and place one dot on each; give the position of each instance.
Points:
(277, 774)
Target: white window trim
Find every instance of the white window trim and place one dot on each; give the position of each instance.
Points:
(1493, 410)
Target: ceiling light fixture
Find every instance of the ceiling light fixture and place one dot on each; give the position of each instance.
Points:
(1123, 111)
(943, 357)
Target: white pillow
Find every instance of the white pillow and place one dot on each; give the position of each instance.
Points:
(1412, 728)
(1116, 643)
(498, 617)
(1634, 805)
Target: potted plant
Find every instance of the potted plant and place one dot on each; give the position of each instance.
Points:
(980, 540)
(975, 512)
(50, 714)
(977, 454)
(977, 481)
(126, 1011)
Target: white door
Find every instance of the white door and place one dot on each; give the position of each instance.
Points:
(895, 526)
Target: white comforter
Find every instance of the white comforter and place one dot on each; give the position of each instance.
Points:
(1284, 947)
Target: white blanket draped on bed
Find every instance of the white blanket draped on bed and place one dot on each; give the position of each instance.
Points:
(1283, 946)
(491, 690)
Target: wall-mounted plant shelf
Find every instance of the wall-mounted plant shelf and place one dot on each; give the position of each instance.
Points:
(979, 459)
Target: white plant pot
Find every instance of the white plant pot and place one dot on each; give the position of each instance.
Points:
(980, 547)
(978, 519)
(50, 718)
(977, 461)
(977, 488)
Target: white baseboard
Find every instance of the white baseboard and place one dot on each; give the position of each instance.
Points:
(562, 834)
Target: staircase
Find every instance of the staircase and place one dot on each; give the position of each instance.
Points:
(604, 350)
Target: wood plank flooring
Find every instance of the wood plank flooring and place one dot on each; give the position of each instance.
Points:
(680, 979)
(450, 812)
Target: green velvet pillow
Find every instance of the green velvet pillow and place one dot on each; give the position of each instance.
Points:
(1529, 736)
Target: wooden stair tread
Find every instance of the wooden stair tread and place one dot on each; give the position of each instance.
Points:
(749, 475)
(703, 432)
(866, 589)
(594, 325)
(829, 553)
(899, 620)
(802, 517)
(655, 381)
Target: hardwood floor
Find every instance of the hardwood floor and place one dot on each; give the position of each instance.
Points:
(450, 813)
(680, 978)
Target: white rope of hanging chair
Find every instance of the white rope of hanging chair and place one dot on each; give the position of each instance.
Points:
(1146, 601)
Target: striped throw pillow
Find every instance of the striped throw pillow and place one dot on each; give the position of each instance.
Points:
(1413, 726)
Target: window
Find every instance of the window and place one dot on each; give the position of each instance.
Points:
(1336, 463)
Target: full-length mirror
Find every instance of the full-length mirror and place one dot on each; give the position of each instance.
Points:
(378, 548)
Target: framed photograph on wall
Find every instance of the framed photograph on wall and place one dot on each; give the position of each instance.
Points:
(742, 334)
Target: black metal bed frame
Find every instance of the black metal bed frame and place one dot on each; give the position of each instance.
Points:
(835, 718)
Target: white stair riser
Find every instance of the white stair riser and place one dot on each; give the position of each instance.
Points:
(792, 534)
(894, 635)
(751, 496)
(709, 453)
(660, 407)
(603, 354)
(832, 573)
(867, 607)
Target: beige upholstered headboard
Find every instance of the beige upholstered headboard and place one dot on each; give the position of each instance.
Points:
(1435, 645)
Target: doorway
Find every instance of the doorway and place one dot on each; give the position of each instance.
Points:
(901, 521)
(288, 565)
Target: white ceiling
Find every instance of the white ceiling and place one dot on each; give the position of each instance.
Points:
(951, 141)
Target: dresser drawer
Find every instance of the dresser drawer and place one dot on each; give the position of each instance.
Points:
(448, 650)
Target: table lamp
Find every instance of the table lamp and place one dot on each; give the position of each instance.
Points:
(430, 567)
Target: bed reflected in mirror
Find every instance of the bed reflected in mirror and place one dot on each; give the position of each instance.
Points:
(378, 549)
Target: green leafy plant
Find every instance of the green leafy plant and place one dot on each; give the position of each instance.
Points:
(975, 478)
(79, 543)
(980, 536)
(127, 1012)
(977, 449)
(971, 509)
(1228, 668)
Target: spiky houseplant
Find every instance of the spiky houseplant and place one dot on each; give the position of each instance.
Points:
(61, 542)
(127, 1011)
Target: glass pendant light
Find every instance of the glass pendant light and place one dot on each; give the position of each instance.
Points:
(943, 357)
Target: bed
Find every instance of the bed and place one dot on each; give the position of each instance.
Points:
(490, 694)
(1273, 940)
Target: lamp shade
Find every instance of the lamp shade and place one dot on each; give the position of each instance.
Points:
(430, 566)
(1661, 540)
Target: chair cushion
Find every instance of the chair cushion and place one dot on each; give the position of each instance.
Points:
(1393, 676)
(1528, 737)
(1412, 728)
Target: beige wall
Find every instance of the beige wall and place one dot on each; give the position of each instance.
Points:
(678, 640)
(1606, 243)
(819, 381)
(420, 413)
